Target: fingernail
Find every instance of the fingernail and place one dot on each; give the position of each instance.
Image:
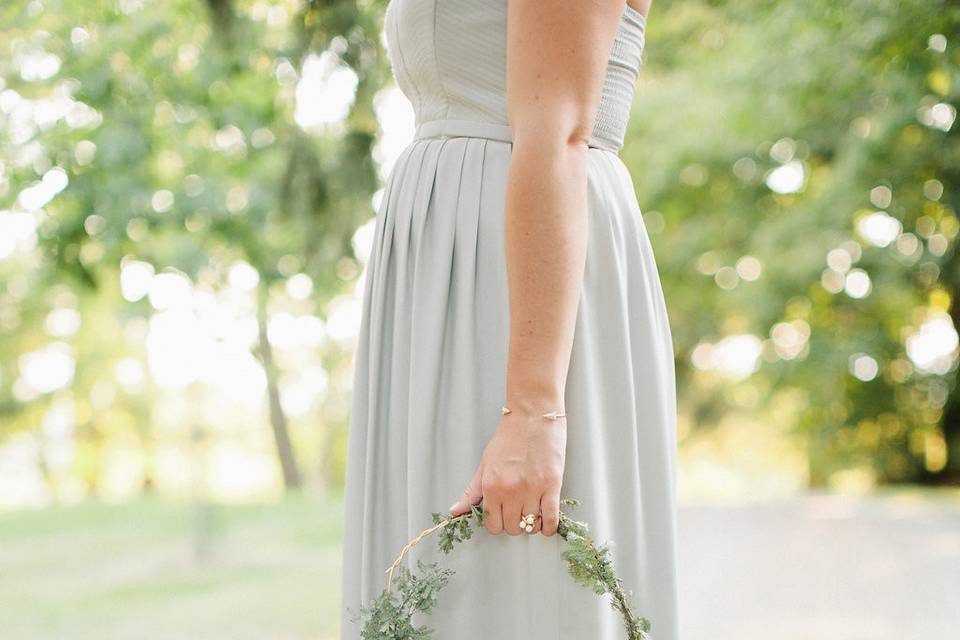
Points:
(454, 506)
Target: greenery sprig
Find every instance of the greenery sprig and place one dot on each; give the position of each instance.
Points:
(390, 615)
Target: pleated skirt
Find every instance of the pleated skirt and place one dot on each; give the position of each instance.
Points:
(429, 381)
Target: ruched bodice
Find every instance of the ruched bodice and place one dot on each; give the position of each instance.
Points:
(449, 58)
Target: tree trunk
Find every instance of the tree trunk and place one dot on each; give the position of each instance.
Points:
(324, 479)
(950, 422)
(278, 420)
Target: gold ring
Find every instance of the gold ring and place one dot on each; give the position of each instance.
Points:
(527, 522)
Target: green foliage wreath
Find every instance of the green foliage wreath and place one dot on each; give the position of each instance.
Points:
(389, 616)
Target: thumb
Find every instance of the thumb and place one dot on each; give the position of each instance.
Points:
(470, 496)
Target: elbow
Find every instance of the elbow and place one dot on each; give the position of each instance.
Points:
(561, 125)
(579, 135)
(549, 135)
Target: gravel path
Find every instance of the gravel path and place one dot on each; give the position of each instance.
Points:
(821, 567)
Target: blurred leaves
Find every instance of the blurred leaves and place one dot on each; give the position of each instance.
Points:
(796, 165)
(738, 100)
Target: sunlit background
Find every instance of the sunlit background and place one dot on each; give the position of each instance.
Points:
(187, 192)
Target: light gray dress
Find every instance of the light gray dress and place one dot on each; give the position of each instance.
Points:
(431, 360)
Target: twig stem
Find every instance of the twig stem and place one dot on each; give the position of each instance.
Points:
(410, 544)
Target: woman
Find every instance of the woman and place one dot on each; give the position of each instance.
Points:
(514, 346)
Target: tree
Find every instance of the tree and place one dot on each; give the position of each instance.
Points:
(178, 139)
(800, 160)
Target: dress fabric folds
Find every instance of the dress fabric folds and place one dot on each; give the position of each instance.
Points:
(430, 363)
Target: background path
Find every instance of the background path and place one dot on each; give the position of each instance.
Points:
(822, 566)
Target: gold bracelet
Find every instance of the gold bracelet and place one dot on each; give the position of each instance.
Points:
(553, 415)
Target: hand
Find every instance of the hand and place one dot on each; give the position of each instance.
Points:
(520, 472)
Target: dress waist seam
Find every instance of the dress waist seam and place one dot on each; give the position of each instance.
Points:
(459, 128)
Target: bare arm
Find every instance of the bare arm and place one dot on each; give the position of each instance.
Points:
(556, 61)
(557, 57)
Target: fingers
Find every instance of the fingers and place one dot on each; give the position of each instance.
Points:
(506, 503)
(492, 516)
(492, 505)
(470, 496)
(550, 511)
(511, 515)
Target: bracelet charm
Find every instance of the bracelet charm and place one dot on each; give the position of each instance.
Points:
(552, 415)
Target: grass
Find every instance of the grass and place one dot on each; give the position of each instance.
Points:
(133, 570)
(137, 570)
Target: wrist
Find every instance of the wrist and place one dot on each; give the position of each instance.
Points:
(534, 385)
(535, 399)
